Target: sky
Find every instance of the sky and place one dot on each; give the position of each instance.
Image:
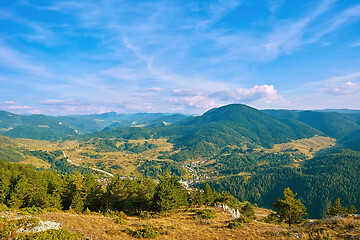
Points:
(93, 56)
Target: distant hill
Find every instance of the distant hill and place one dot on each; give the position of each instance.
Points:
(44, 127)
(208, 134)
(334, 124)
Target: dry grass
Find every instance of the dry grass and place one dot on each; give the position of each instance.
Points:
(36, 162)
(179, 225)
(45, 145)
(127, 160)
(307, 146)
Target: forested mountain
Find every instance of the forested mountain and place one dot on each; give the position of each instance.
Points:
(207, 135)
(334, 124)
(318, 182)
(44, 127)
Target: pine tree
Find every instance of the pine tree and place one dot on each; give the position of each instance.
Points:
(169, 194)
(248, 211)
(209, 195)
(336, 209)
(289, 209)
(352, 210)
(197, 198)
(77, 204)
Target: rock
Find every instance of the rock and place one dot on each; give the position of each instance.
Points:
(43, 226)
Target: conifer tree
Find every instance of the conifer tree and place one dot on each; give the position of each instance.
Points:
(77, 204)
(248, 211)
(336, 209)
(289, 209)
(169, 194)
(197, 198)
(352, 210)
(209, 195)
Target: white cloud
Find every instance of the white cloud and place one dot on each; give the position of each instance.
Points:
(154, 89)
(18, 107)
(58, 102)
(199, 102)
(265, 93)
(346, 88)
(9, 102)
(12, 105)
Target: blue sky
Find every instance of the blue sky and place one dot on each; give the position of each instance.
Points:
(67, 57)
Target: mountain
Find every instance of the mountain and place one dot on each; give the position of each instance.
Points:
(44, 127)
(206, 135)
(334, 124)
(35, 126)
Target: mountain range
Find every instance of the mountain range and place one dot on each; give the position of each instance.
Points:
(253, 154)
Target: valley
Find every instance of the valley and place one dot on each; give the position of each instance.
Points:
(234, 149)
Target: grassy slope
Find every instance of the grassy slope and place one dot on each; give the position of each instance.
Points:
(181, 225)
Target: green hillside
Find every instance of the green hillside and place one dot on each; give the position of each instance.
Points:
(207, 135)
(334, 124)
(318, 182)
(44, 127)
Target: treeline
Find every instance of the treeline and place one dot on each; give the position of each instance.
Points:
(256, 161)
(318, 182)
(110, 145)
(22, 186)
(153, 168)
(59, 163)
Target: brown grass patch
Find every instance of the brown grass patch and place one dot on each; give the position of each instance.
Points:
(307, 146)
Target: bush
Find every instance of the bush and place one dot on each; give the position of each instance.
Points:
(3, 207)
(147, 232)
(59, 234)
(235, 225)
(271, 218)
(32, 210)
(27, 222)
(7, 228)
(145, 215)
(205, 214)
(120, 221)
(243, 219)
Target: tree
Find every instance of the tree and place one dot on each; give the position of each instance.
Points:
(289, 209)
(336, 209)
(209, 195)
(77, 203)
(352, 210)
(169, 194)
(248, 211)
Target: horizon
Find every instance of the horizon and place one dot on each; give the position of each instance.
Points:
(186, 114)
(66, 57)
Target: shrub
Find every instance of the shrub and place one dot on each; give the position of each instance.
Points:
(271, 218)
(205, 214)
(32, 210)
(60, 234)
(3, 207)
(120, 221)
(243, 219)
(147, 232)
(145, 215)
(235, 225)
(27, 222)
